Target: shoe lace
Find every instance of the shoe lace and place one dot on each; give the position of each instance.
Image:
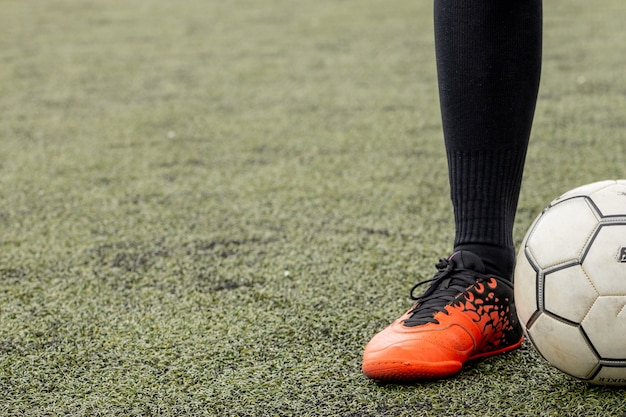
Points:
(448, 284)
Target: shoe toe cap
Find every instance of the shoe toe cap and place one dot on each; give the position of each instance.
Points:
(402, 344)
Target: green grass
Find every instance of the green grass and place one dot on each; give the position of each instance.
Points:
(208, 208)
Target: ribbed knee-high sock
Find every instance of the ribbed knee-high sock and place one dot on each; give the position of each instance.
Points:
(488, 65)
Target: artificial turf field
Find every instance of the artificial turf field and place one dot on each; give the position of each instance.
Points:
(209, 207)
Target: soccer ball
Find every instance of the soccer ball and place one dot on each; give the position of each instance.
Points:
(570, 283)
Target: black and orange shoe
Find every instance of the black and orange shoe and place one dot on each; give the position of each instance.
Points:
(463, 315)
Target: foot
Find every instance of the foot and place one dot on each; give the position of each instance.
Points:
(464, 314)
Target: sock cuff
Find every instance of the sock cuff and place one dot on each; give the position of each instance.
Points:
(484, 188)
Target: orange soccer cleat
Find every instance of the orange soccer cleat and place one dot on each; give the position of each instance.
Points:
(463, 315)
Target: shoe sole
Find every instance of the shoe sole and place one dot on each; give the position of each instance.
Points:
(415, 371)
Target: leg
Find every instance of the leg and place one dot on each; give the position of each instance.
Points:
(488, 63)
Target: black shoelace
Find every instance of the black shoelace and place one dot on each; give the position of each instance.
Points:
(446, 286)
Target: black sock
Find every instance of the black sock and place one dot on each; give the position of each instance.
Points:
(499, 261)
(488, 65)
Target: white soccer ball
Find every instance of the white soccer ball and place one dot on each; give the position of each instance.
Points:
(570, 283)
